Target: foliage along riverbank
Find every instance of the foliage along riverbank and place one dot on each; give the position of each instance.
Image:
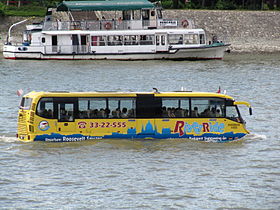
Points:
(247, 31)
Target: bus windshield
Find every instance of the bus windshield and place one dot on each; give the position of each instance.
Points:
(25, 103)
(232, 113)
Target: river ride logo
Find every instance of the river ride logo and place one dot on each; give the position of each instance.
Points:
(44, 125)
(182, 128)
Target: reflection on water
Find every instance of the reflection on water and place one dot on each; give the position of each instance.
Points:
(144, 174)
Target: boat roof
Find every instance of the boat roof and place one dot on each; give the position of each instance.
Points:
(126, 32)
(105, 5)
(35, 94)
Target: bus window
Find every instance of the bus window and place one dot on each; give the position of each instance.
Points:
(232, 113)
(84, 110)
(92, 108)
(207, 107)
(148, 106)
(45, 108)
(25, 103)
(121, 108)
(175, 108)
(66, 112)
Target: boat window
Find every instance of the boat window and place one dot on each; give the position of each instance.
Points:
(110, 40)
(207, 107)
(157, 40)
(114, 40)
(159, 14)
(131, 40)
(147, 39)
(45, 108)
(43, 39)
(202, 38)
(145, 15)
(136, 14)
(98, 40)
(191, 39)
(94, 40)
(175, 108)
(162, 40)
(127, 15)
(121, 107)
(175, 39)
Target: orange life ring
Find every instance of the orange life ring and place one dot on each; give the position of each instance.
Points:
(185, 23)
(108, 25)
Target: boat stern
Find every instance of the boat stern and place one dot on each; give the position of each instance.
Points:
(9, 51)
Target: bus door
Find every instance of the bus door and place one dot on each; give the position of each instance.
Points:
(147, 109)
(161, 42)
(65, 109)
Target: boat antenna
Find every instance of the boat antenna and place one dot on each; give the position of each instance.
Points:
(155, 90)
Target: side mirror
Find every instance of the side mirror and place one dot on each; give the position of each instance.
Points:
(250, 111)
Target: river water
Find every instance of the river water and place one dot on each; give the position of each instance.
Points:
(144, 174)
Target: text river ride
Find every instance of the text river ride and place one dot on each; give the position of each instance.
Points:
(77, 116)
(117, 29)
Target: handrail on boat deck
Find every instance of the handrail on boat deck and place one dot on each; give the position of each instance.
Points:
(98, 25)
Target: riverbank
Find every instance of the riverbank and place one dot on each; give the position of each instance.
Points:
(247, 31)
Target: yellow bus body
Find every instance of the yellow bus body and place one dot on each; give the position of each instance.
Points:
(32, 126)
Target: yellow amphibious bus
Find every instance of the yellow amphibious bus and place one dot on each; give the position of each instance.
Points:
(78, 116)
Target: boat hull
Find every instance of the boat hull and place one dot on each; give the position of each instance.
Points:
(195, 53)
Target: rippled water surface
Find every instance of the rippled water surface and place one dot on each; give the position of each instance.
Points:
(144, 174)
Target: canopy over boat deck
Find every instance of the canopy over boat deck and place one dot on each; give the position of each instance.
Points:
(105, 5)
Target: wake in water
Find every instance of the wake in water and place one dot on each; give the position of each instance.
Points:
(255, 136)
(7, 139)
(251, 136)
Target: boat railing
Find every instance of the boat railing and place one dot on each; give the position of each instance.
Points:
(99, 25)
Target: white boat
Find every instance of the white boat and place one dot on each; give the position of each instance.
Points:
(137, 31)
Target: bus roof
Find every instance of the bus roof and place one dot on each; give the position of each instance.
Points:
(35, 94)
